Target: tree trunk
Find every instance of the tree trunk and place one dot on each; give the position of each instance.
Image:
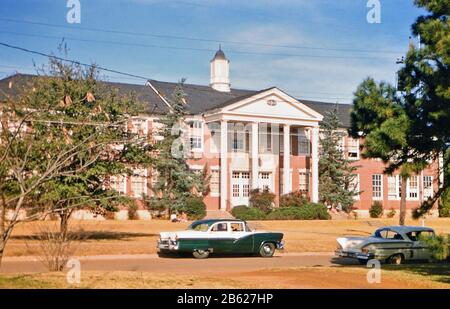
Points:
(2, 249)
(403, 201)
(64, 224)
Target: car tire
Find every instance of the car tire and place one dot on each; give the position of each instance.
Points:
(267, 250)
(201, 254)
(396, 259)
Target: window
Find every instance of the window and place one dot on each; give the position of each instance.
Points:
(118, 183)
(413, 187)
(220, 227)
(155, 180)
(388, 234)
(138, 183)
(392, 187)
(246, 190)
(377, 186)
(353, 148)
(237, 227)
(214, 182)
(354, 185)
(303, 183)
(196, 142)
(303, 141)
(139, 126)
(238, 142)
(265, 137)
(214, 129)
(235, 190)
(195, 125)
(427, 187)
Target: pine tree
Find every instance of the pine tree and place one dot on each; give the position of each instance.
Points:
(379, 117)
(176, 181)
(336, 180)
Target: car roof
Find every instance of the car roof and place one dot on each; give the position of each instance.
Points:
(212, 221)
(406, 229)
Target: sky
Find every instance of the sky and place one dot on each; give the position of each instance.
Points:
(312, 49)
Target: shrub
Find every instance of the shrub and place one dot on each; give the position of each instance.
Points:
(262, 199)
(248, 213)
(444, 204)
(438, 246)
(391, 213)
(293, 199)
(309, 211)
(376, 210)
(195, 208)
(132, 212)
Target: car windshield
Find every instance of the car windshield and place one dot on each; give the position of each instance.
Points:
(198, 226)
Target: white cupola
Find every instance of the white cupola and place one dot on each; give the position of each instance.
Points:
(220, 72)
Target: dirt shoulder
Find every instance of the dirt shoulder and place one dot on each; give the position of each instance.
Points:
(303, 277)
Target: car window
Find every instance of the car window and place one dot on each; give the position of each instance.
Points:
(388, 234)
(415, 235)
(237, 227)
(203, 227)
(219, 227)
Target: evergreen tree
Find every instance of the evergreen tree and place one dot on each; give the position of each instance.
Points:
(337, 178)
(425, 81)
(176, 181)
(379, 117)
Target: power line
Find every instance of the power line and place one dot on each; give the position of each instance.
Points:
(210, 40)
(121, 43)
(72, 61)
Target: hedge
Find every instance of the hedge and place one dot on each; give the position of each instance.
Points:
(308, 211)
(248, 213)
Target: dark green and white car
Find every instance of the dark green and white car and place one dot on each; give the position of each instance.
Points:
(393, 244)
(227, 236)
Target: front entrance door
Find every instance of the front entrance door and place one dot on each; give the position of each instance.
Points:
(265, 181)
(240, 188)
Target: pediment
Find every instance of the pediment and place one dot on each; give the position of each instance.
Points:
(273, 103)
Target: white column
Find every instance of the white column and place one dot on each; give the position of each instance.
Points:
(315, 164)
(255, 155)
(286, 158)
(223, 164)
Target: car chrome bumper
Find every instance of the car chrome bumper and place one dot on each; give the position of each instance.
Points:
(354, 255)
(280, 245)
(167, 245)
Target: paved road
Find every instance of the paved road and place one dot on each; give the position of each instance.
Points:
(188, 265)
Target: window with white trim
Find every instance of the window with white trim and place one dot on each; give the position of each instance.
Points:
(196, 142)
(392, 187)
(214, 182)
(413, 187)
(139, 183)
(214, 142)
(427, 187)
(355, 186)
(377, 186)
(303, 181)
(303, 141)
(139, 126)
(196, 125)
(353, 148)
(118, 183)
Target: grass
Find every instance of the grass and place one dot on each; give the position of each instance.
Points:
(139, 237)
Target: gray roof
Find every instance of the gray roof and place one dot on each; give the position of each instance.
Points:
(199, 98)
(407, 229)
(220, 55)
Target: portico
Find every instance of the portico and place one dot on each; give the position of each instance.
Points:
(257, 135)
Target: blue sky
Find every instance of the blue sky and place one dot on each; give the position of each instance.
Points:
(315, 72)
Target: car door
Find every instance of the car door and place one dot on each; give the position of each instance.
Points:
(220, 238)
(421, 252)
(242, 238)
